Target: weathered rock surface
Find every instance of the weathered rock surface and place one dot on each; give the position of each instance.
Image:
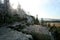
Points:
(8, 34)
(38, 29)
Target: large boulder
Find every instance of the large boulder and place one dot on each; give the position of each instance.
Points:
(38, 32)
(8, 34)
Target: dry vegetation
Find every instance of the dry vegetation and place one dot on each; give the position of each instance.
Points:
(56, 24)
(51, 24)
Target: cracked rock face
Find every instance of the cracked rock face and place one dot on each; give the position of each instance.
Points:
(8, 34)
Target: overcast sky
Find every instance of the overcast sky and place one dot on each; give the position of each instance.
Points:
(44, 8)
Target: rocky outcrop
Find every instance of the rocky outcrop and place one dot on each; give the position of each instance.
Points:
(39, 30)
(8, 34)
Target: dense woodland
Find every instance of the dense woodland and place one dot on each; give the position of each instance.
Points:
(8, 15)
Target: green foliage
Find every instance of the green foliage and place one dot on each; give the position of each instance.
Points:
(36, 21)
(8, 19)
(7, 16)
(58, 29)
(55, 32)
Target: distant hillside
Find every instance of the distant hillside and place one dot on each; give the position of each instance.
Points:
(51, 20)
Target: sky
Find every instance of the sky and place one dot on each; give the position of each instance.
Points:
(42, 8)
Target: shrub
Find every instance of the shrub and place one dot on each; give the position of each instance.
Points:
(39, 36)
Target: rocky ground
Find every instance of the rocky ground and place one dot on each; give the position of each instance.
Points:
(8, 34)
(38, 29)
